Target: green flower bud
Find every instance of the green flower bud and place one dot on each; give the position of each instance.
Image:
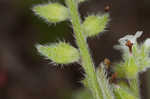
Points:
(127, 69)
(52, 12)
(60, 53)
(93, 25)
(131, 71)
(131, 68)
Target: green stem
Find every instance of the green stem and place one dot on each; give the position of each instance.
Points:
(104, 83)
(87, 62)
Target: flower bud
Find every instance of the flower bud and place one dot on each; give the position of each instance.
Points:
(60, 53)
(131, 68)
(93, 25)
(52, 12)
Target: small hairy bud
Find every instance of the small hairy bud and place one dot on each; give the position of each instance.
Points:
(60, 53)
(131, 71)
(93, 25)
(131, 68)
(52, 12)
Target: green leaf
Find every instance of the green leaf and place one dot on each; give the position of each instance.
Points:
(60, 53)
(52, 12)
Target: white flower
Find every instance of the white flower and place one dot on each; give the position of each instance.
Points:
(131, 38)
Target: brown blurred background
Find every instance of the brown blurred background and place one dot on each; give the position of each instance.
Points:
(24, 74)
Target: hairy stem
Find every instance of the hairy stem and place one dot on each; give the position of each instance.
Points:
(104, 83)
(87, 62)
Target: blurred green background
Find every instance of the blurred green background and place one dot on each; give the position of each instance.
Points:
(24, 74)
